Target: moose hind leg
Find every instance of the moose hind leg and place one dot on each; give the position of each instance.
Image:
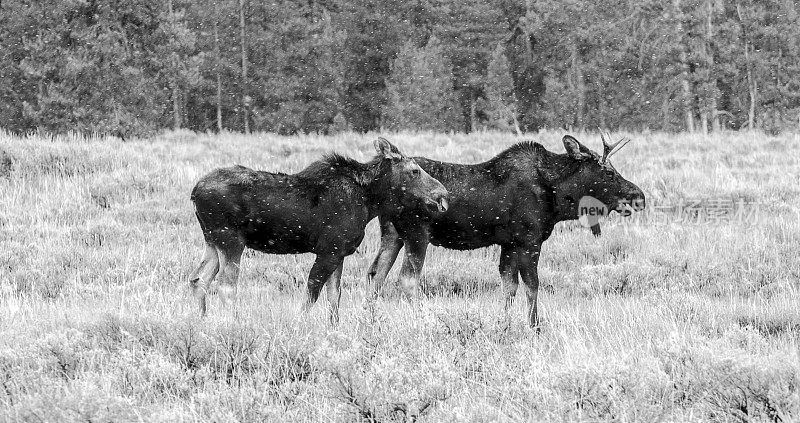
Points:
(335, 293)
(208, 255)
(202, 276)
(528, 263)
(322, 269)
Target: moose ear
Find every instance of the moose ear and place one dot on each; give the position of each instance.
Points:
(575, 149)
(387, 149)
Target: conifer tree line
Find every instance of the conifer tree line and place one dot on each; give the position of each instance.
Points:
(135, 67)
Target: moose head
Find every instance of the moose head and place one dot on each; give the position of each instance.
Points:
(407, 185)
(595, 183)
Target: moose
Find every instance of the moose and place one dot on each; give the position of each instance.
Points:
(323, 209)
(513, 200)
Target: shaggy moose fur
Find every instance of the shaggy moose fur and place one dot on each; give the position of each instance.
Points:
(322, 210)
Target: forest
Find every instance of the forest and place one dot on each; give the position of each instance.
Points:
(132, 68)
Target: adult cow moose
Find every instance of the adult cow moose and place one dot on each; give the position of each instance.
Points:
(323, 210)
(514, 200)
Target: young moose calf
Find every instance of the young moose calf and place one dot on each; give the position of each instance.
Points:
(322, 210)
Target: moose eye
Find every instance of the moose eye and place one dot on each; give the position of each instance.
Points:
(415, 172)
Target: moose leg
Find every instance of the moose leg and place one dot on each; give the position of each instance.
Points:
(387, 254)
(230, 255)
(208, 255)
(322, 269)
(197, 283)
(509, 273)
(528, 264)
(203, 275)
(335, 293)
(416, 248)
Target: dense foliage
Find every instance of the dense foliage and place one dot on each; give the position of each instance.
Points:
(134, 67)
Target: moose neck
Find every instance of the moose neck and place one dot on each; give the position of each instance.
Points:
(555, 169)
(378, 190)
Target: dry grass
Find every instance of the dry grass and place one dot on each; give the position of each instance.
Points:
(657, 322)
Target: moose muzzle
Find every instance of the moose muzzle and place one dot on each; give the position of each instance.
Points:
(440, 204)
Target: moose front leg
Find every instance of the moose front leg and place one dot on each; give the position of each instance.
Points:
(416, 248)
(509, 273)
(528, 259)
(322, 269)
(387, 254)
(335, 293)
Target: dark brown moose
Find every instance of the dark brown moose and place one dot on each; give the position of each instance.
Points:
(514, 200)
(322, 210)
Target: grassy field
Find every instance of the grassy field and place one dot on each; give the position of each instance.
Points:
(654, 321)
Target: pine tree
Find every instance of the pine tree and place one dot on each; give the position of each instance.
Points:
(15, 89)
(214, 103)
(135, 67)
(180, 69)
(299, 67)
(375, 31)
(469, 31)
(420, 90)
(93, 72)
(501, 103)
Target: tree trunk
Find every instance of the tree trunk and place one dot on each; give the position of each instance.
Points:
(219, 103)
(704, 122)
(715, 123)
(687, 91)
(751, 83)
(751, 114)
(712, 104)
(176, 106)
(473, 118)
(707, 90)
(580, 86)
(516, 126)
(665, 113)
(514, 114)
(601, 106)
(752, 88)
(684, 64)
(245, 99)
(217, 71)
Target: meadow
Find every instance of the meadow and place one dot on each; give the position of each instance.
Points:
(656, 320)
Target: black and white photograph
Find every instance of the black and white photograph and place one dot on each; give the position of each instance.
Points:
(399, 211)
